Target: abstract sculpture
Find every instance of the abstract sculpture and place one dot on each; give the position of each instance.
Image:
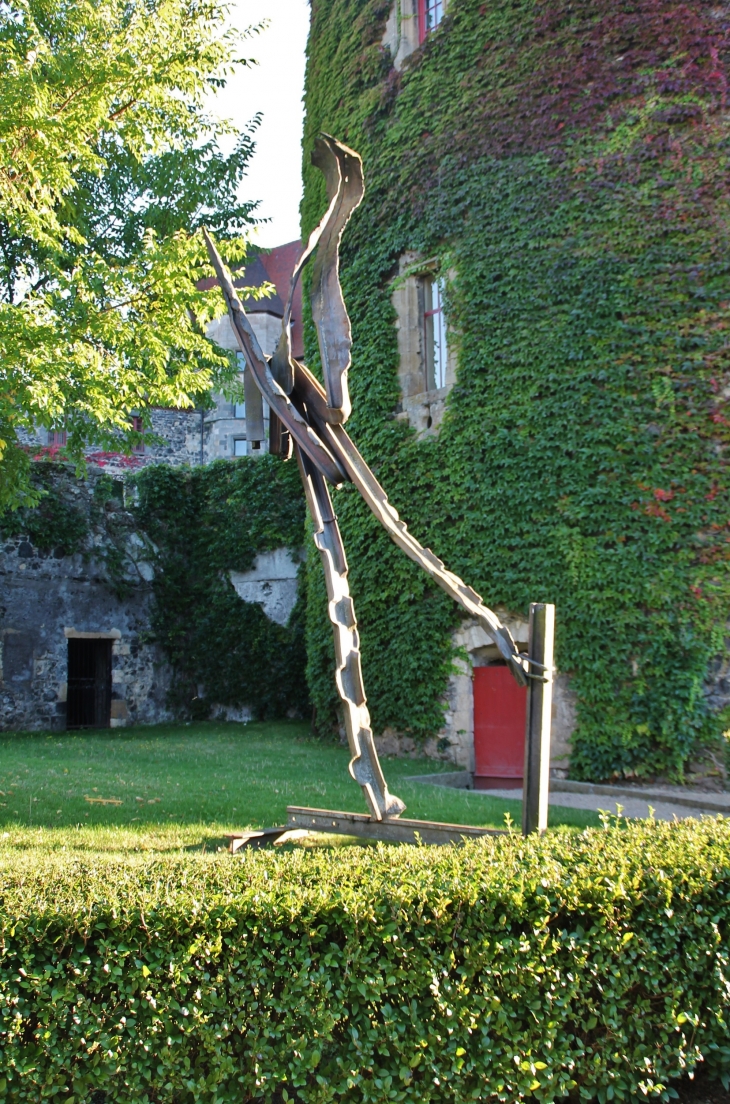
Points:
(314, 417)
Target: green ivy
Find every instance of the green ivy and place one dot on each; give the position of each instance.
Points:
(197, 525)
(206, 522)
(569, 163)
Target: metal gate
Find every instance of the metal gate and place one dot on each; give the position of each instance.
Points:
(89, 696)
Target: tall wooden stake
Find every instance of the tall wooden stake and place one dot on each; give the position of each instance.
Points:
(536, 778)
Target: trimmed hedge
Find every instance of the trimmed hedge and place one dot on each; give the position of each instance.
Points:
(499, 970)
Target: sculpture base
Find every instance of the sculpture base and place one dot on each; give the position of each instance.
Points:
(397, 830)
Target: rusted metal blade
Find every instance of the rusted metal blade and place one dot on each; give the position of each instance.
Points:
(254, 409)
(301, 431)
(342, 169)
(364, 766)
(308, 391)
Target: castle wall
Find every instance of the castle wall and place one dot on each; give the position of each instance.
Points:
(47, 598)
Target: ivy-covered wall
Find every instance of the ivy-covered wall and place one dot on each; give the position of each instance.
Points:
(206, 522)
(151, 559)
(568, 161)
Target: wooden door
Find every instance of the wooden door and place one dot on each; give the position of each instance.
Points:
(499, 729)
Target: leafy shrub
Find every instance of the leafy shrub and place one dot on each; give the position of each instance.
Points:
(596, 963)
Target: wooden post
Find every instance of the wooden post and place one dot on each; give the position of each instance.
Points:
(536, 779)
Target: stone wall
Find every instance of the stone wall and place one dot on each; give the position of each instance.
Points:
(184, 438)
(401, 35)
(272, 583)
(80, 567)
(48, 598)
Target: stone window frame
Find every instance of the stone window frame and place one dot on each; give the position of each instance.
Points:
(407, 27)
(421, 405)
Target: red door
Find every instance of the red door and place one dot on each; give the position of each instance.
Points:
(499, 729)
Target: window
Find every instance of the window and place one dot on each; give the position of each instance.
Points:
(239, 446)
(239, 408)
(426, 345)
(57, 437)
(138, 427)
(434, 325)
(430, 14)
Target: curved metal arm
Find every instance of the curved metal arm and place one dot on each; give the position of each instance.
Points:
(302, 433)
(342, 169)
(364, 766)
(309, 395)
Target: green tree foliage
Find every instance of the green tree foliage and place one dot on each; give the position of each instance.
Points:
(109, 162)
(591, 967)
(567, 164)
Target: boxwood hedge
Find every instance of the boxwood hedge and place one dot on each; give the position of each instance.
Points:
(592, 964)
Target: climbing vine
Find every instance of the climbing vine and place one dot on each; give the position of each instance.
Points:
(180, 532)
(204, 523)
(568, 162)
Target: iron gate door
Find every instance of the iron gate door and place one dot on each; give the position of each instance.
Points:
(88, 700)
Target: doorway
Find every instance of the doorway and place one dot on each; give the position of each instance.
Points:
(500, 708)
(89, 696)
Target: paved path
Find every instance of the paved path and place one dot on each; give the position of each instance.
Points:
(665, 808)
(667, 802)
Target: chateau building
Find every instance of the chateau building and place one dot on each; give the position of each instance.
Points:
(539, 368)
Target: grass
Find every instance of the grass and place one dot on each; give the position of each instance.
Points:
(187, 785)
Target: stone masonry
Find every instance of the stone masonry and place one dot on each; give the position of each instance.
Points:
(47, 598)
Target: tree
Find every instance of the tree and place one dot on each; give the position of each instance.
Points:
(109, 164)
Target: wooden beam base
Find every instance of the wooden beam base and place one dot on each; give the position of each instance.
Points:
(395, 830)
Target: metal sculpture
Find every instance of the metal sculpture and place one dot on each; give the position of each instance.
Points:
(313, 417)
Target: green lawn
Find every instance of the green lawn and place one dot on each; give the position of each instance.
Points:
(187, 785)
